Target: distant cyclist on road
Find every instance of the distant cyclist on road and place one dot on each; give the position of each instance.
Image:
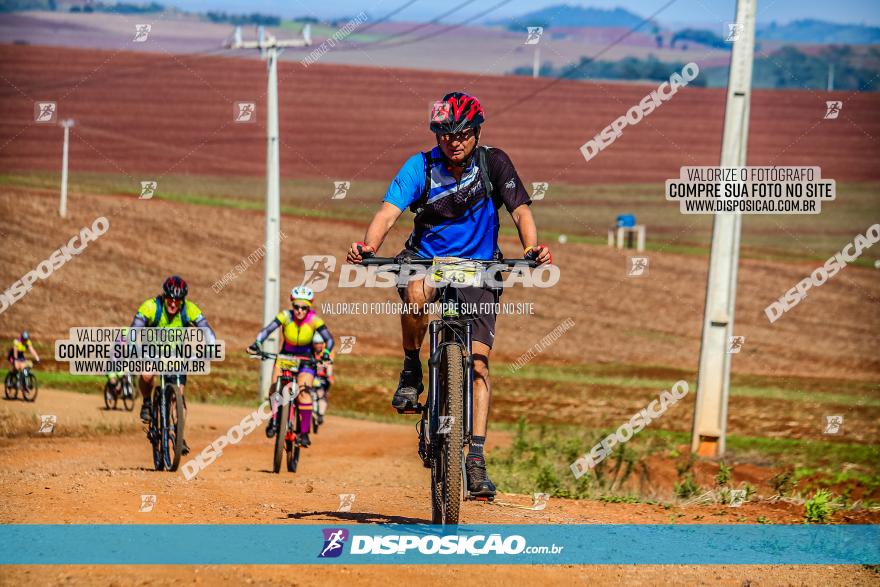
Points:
(299, 324)
(170, 309)
(455, 189)
(16, 355)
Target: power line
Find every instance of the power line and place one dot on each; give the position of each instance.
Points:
(384, 42)
(447, 29)
(434, 20)
(387, 16)
(586, 60)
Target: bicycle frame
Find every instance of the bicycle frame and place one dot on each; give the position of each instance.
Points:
(285, 378)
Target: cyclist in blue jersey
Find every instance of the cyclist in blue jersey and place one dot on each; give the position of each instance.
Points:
(455, 190)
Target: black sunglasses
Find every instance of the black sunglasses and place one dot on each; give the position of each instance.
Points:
(298, 307)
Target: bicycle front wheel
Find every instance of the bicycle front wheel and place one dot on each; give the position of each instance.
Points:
(155, 433)
(29, 392)
(175, 424)
(283, 420)
(127, 395)
(109, 396)
(446, 471)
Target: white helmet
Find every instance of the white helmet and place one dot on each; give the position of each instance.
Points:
(317, 339)
(302, 292)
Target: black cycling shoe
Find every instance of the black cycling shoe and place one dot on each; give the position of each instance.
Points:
(270, 428)
(408, 389)
(146, 408)
(478, 483)
(185, 450)
(302, 439)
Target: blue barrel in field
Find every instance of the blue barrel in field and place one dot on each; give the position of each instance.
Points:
(626, 220)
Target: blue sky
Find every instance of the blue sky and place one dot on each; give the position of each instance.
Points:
(683, 12)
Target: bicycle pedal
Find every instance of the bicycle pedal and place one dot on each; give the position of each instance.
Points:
(410, 409)
(480, 497)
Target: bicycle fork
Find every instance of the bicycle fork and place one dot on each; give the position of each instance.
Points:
(278, 404)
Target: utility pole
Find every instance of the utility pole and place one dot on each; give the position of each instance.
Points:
(536, 64)
(270, 48)
(62, 207)
(713, 378)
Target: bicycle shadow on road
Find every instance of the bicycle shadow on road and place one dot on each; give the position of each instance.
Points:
(359, 517)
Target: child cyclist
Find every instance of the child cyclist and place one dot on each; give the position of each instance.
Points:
(299, 325)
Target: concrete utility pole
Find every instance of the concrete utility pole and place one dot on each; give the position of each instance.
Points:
(713, 379)
(536, 64)
(62, 206)
(270, 48)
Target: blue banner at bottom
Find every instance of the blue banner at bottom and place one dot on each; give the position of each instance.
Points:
(147, 544)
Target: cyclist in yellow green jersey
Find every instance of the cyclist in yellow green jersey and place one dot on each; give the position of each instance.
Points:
(171, 309)
(17, 358)
(299, 326)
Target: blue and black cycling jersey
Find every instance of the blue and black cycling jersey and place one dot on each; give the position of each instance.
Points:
(458, 218)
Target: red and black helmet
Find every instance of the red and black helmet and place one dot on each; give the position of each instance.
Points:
(175, 288)
(456, 112)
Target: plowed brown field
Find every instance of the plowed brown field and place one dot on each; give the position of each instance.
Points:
(160, 114)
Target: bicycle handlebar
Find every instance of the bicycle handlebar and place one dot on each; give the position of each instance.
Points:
(271, 356)
(370, 260)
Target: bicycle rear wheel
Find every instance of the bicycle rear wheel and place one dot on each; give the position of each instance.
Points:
(292, 458)
(446, 471)
(9, 387)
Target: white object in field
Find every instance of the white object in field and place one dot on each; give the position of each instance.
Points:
(62, 207)
(713, 377)
(269, 48)
(563, 239)
(617, 236)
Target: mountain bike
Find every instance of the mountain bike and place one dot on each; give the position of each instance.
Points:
(167, 420)
(446, 423)
(23, 380)
(123, 389)
(286, 420)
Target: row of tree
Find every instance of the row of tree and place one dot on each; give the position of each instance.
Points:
(785, 68)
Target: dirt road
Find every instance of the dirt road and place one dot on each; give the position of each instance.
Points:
(96, 465)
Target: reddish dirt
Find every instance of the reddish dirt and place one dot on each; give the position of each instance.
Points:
(88, 478)
(153, 114)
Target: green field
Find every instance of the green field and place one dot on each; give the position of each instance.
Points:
(582, 213)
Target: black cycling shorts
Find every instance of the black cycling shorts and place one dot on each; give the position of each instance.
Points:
(483, 323)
